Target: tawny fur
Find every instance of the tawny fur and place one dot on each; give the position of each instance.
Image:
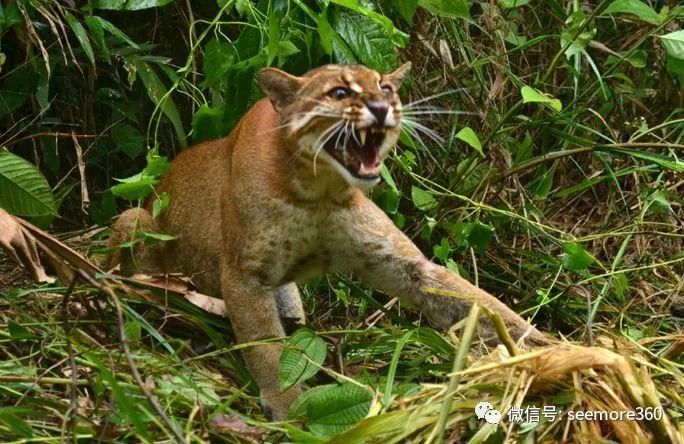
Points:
(252, 217)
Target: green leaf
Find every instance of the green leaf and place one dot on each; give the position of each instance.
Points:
(468, 136)
(509, 4)
(334, 409)
(132, 330)
(422, 199)
(18, 331)
(116, 32)
(295, 361)
(448, 8)
(481, 236)
(97, 32)
(155, 237)
(287, 48)
(156, 165)
(664, 161)
(406, 8)
(16, 425)
(207, 123)
(576, 257)
(530, 94)
(159, 96)
(129, 5)
(325, 32)
(635, 58)
(368, 42)
(128, 139)
(634, 7)
(218, 57)
(674, 43)
(82, 36)
(23, 188)
(160, 204)
(135, 190)
(16, 89)
(397, 37)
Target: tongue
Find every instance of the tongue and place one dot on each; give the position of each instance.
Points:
(370, 162)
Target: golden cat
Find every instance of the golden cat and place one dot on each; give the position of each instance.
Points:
(282, 199)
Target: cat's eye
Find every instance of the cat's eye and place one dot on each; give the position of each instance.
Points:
(386, 89)
(339, 93)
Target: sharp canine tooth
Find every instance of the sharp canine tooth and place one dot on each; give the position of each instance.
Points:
(362, 135)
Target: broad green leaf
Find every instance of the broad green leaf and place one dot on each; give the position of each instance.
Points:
(23, 188)
(468, 136)
(218, 57)
(635, 58)
(159, 95)
(156, 165)
(128, 139)
(448, 8)
(207, 123)
(481, 236)
(634, 7)
(387, 199)
(422, 199)
(674, 43)
(81, 35)
(397, 37)
(368, 41)
(129, 5)
(334, 409)
(9, 15)
(576, 257)
(135, 190)
(530, 94)
(295, 361)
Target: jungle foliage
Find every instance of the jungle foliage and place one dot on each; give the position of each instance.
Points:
(549, 172)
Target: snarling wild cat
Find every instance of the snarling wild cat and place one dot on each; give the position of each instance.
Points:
(282, 199)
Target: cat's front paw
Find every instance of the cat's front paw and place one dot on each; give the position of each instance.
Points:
(277, 404)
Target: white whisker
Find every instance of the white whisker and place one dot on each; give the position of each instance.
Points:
(423, 129)
(432, 97)
(319, 146)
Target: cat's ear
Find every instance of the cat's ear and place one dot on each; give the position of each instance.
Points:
(398, 76)
(279, 86)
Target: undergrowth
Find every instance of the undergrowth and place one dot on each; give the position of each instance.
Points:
(553, 180)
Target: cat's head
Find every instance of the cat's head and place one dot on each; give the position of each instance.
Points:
(347, 116)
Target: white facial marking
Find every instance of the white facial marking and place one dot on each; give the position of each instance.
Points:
(355, 87)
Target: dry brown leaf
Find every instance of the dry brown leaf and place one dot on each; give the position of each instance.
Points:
(233, 424)
(178, 285)
(21, 246)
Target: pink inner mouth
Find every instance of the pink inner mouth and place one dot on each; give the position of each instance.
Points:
(360, 157)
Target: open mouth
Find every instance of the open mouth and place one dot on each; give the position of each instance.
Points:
(358, 151)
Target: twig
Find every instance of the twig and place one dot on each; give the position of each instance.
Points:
(50, 134)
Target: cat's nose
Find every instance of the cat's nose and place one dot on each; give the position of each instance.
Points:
(379, 109)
